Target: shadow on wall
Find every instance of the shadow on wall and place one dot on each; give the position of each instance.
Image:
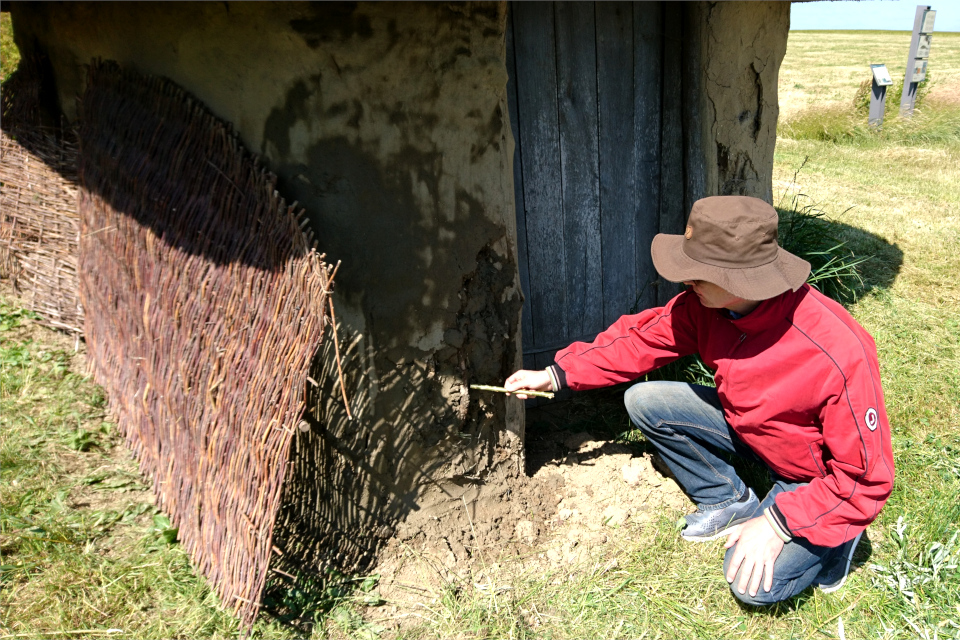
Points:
(337, 508)
(433, 306)
(431, 311)
(427, 291)
(350, 481)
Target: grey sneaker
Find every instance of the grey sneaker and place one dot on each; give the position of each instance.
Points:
(845, 558)
(705, 525)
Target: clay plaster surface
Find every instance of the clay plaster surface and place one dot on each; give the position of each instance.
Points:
(387, 122)
(741, 47)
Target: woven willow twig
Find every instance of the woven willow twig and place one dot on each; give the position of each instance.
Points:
(38, 205)
(205, 305)
(336, 346)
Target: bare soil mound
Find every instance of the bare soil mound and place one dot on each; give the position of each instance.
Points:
(583, 493)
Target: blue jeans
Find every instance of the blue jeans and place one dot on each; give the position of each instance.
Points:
(685, 424)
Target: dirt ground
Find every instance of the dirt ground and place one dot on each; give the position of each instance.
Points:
(583, 492)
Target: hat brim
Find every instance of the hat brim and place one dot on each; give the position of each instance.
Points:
(786, 271)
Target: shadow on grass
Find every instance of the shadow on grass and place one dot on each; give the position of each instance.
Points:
(846, 261)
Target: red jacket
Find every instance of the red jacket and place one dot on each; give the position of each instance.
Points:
(799, 383)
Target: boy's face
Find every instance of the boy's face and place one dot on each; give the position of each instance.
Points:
(713, 296)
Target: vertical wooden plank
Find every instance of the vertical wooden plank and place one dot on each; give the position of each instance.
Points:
(647, 82)
(671, 140)
(533, 40)
(579, 172)
(527, 336)
(544, 359)
(694, 164)
(530, 361)
(538, 361)
(619, 205)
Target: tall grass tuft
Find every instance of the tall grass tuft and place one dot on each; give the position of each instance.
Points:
(835, 269)
(930, 123)
(839, 125)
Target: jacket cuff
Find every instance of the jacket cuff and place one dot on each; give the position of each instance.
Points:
(558, 377)
(778, 522)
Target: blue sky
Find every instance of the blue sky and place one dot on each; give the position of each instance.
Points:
(871, 14)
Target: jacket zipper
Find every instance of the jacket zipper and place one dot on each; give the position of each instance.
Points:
(743, 337)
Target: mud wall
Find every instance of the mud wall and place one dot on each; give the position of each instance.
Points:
(387, 122)
(732, 52)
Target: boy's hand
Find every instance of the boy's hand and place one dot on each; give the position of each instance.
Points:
(758, 547)
(531, 380)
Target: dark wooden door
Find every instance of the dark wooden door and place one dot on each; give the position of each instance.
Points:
(585, 102)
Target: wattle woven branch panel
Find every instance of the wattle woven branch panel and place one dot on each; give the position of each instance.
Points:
(204, 307)
(39, 225)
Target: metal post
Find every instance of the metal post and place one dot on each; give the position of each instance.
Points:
(878, 93)
(916, 68)
(878, 101)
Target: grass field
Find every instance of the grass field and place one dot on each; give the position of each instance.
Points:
(84, 553)
(823, 69)
(9, 54)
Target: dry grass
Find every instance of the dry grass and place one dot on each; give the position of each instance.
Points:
(823, 69)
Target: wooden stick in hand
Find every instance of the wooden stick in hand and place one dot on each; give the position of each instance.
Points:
(526, 392)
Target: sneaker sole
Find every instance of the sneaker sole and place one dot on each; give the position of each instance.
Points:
(719, 534)
(846, 571)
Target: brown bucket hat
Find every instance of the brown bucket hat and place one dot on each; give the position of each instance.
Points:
(731, 241)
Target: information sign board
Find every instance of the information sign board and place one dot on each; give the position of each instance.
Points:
(880, 75)
(919, 70)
